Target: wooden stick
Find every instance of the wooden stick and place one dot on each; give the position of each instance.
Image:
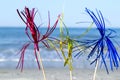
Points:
(95, 71)
(41, 64)
(71, 78)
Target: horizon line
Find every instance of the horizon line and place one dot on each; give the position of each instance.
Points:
(57, 26)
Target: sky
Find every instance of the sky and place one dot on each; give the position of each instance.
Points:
(74, 11)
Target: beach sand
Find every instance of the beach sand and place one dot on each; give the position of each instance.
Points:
(57, 74)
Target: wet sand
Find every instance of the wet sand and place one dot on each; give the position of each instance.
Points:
(57, 74)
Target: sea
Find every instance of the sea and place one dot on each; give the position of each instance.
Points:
(12, 40)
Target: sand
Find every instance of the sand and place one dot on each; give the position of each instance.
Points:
(57, 74)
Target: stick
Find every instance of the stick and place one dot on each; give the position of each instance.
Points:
(41, 64)
(95, 71)
(71, 75)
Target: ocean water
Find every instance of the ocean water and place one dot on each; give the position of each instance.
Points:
(13, 38)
